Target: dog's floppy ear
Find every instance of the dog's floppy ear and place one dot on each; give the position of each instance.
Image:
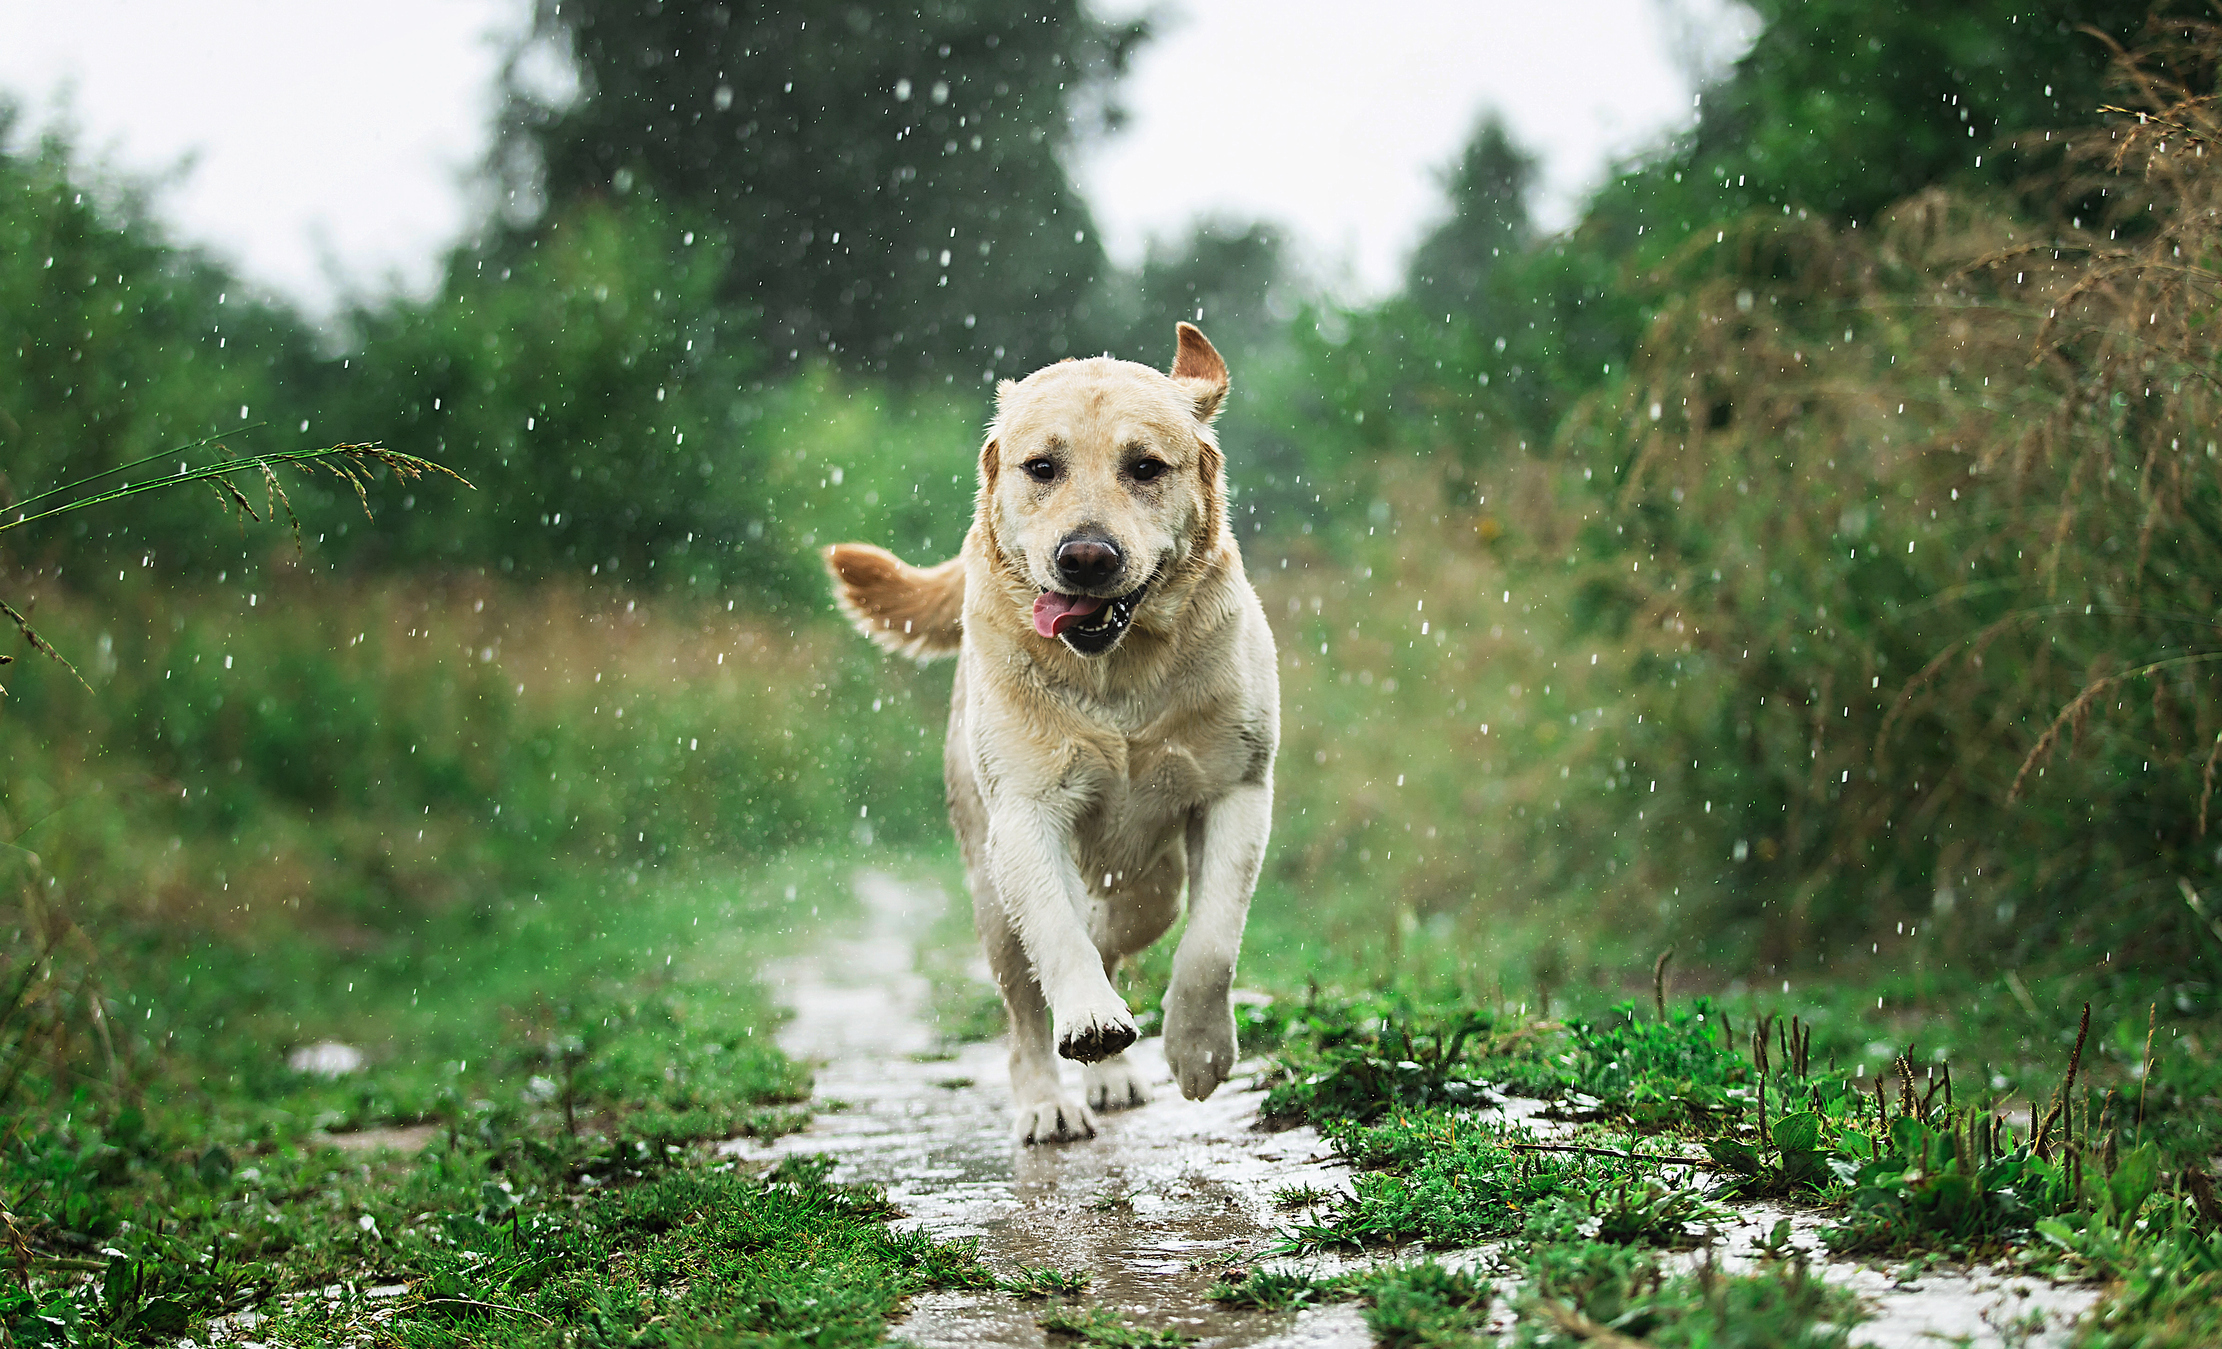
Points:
(1199, 370)
(991, 453)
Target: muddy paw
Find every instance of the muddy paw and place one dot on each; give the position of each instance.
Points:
(1054, 1121)
(1114, 1084)
(1092, 1038)
(1199, 1043)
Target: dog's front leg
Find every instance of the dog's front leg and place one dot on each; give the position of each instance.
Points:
(1034, 873)
(1199, 1022)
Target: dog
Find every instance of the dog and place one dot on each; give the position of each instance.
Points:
(1114, 718)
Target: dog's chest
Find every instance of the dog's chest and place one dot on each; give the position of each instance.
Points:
(1166, 773)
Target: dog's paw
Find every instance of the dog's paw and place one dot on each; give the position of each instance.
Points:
(1055, 1120)
(1095, 1034)
(1199, 1042)
(1114, 1084)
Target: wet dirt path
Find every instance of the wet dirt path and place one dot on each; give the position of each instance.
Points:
(1169, 1192)
(1162, 1191)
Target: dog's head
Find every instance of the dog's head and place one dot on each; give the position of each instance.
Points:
(1100, 478)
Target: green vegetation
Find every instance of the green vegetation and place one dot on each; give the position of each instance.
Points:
(1042, 1281)
(488, 1236)
(564, 1185)
(2100, 1182)
(1100, 1325)
(1574, 1292)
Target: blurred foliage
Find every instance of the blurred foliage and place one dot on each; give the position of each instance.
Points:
(1926, 564)
(615, 417)
(364, 755)
(116, 344)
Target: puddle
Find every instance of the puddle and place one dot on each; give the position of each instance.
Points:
(1168, 1193)
(1152, 1207)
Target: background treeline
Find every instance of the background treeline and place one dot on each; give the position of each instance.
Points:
(1809, 555)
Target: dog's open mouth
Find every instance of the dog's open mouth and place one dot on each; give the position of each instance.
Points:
(1089, 624)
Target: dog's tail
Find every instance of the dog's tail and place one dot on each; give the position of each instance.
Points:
(915, 611)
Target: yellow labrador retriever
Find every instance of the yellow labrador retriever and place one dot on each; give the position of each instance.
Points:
(1114, 720)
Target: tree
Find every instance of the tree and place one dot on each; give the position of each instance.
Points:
(1488, 190)
(1232, 277)
(892, 179)
(1839, 109)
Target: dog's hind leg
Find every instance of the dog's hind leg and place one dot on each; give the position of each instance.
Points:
(1045, 1113)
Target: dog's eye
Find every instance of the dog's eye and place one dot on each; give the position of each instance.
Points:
(1145, 470)
(1041, 470)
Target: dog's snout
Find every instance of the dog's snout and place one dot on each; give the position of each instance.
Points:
(1087, 562)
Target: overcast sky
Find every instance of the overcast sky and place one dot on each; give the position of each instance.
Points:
(324, 147)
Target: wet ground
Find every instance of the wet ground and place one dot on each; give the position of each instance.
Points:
(1153, 1207)
(1171, 1193)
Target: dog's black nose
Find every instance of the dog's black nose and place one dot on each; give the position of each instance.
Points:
(1087, 562)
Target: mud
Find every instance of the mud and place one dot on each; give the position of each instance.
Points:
(1171, 1193)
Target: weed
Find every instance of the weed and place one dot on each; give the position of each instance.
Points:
(1627, 1212)
(1280, 1290)
(1101, 1325)
(1927, 1185)
(1342, 1074)
(1579, 1294)
(1650, 1073)
(1775, 1244)
(1044, 1281)
(1446, 1179)
(1422, 1305)
(1303, 1196)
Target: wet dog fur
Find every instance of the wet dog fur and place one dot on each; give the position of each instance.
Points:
(1114, 718)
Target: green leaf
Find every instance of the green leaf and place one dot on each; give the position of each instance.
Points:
(1908, 1136)
(1800, 1130)
(119, 1284)
(165, 1315)
(2133, 1181)
(1805, 1166)
(1734, 1155)
(2059, 1234)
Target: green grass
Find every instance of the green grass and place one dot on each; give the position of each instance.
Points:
(570, 1080)
(1101, 1325)
(1035, 1281)
(1402, 1083)
(1574, 1289)
(1567, 1291)
(502, 1238)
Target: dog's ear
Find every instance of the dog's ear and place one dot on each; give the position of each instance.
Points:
(990, 453)
(1199, 370)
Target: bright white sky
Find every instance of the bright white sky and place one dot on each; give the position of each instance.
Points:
(327, 148)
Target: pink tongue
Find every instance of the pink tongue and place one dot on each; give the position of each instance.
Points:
(1053, 613)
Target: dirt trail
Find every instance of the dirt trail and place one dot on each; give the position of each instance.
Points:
(1169, 1189)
